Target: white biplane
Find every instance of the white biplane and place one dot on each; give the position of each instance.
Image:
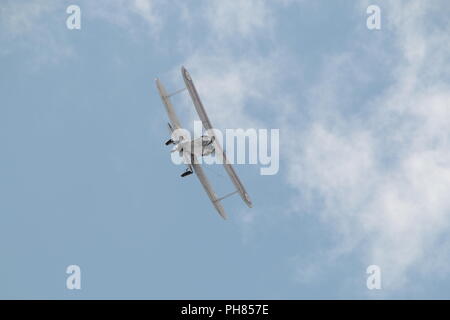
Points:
(199, 147)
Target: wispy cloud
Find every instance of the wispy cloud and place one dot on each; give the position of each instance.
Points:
(33, 28)
(382, 172)
(17, 18)
(238, 19)
(136, 16)
(229, 81)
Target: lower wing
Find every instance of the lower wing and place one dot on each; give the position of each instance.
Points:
(207, 186)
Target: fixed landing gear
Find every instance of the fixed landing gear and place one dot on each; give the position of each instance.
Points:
(186, 173)
(170, 141)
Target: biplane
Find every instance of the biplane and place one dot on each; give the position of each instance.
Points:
(205, 145)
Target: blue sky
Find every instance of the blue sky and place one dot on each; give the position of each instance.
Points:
(364, 121)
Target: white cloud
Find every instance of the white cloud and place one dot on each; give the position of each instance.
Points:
(145, 8)
(39, 26)
(384, 179)
(17, 18)
(131, 15)
(238, 18)
(32, 26)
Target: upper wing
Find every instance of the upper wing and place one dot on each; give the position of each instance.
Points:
(169, 107)
(207, 124)
(196, 99)
(207, 186)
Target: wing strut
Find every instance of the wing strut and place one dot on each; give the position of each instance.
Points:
(176, 92)
(227, 195)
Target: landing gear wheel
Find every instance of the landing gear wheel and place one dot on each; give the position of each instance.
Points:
(186, 173)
